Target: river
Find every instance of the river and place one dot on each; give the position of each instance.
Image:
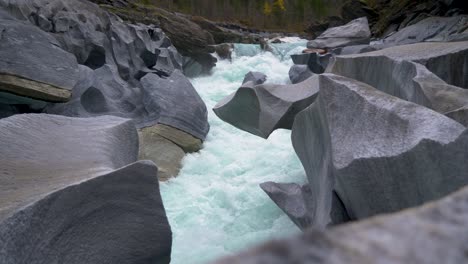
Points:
(215, 206)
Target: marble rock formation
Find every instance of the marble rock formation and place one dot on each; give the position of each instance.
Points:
(260, 109)
(299, 73)
(429, 74)
(355, 32)
(255, 77)
(72, 191)
(32, 65)
(295, 200)
(315, 62)
(433, 233)
(176, 102)
(113, 58)
(440, 29)
(378, 153)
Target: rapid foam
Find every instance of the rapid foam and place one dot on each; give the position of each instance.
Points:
(215, 206)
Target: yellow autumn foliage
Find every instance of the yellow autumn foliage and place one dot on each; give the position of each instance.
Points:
(277, 6)
(267, 8)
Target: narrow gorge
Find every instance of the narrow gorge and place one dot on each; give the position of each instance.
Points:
(145, 131)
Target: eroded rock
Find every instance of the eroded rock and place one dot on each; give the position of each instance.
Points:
(72, 191)
(33, 64)
(377, 152)
(354, 33)
(260, 109)
(414, 235)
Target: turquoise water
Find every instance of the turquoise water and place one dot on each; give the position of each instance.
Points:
(215, 206)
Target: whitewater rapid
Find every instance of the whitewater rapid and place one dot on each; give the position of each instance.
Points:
(215, 206)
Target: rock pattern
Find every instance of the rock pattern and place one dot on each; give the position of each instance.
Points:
(423, 73)
(260, 109)
(417, 235)
(316, 63)
(431, 29)
(354, 33)
(167, 155)
(166, 146)
(72, 190)
(117, 56)
(33, 65)
(299, 73)
(176, 102)
(293, 199)
(255, 77)
(391, 155)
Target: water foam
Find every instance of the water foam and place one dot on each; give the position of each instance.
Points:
(215, 206)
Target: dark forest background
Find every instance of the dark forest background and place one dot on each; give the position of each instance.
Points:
(291, 15)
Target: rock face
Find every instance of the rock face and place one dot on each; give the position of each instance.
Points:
(116, 55)
(293, 199)
(412, 236)
(260, 109)
(33, 64)
(315, 62)
(177, 103)
(432, 29)
(424, 73)
(255, 77)
(114, 68)
(163, 152)
(299, 73)
(166, 146)
(84, 198)
(354, 33)
(392, 154)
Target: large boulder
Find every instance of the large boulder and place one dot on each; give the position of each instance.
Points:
(295, 200)
(33, 64)
(423, 73)
(255, 77)
(177, 103)
(433, 233)
(316, 63)
(431, 29)
(260, 109)
(299, 73)
(72, 191)
(378, 153)
(104, 92)
(354, 33)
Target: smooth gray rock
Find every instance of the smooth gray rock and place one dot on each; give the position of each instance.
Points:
(255, 77)
(32, 63)
(29, 162)
(177, 103)
(261, 109)
(434, 233)
(293, 199)
(354, 33)
(299, 73)
(72, 192)
(431, 29)
(355, 49)
(317, 63)
(116, 55)
(394, 71)
(377, 152)
(448, 60)
(104, 92)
